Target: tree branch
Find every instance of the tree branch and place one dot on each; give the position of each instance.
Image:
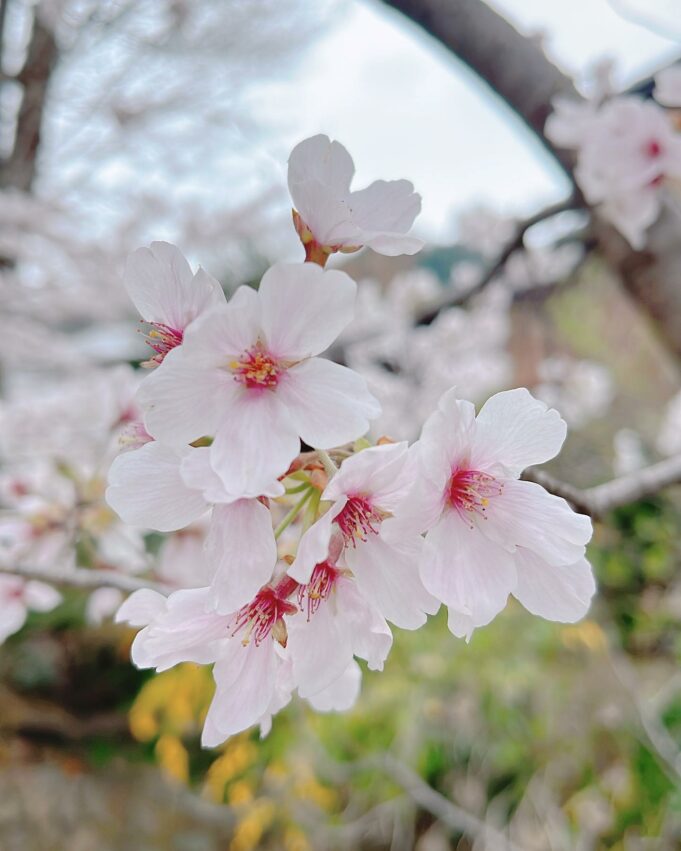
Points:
(84, 578)
(516, 243)
(601, 499)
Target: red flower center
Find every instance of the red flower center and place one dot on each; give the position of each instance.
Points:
(257, 369)
(470, 491)
(263, 615)
(358, 519)
(319, 587)
(653, 149)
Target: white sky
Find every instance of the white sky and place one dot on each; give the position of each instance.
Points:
(405, 108)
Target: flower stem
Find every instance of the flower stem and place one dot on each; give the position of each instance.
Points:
(328, 463)
(293, 513)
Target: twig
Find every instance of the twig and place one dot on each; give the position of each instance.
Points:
(81, 578)
(601, 499)
(516, 243)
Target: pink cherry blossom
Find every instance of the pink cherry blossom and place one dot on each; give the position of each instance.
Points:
(247, 374)
(329, 217)
(167, 294)
(382, 554)
(488, 533)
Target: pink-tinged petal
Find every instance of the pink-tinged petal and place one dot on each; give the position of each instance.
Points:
(304, 308)
(318, 158)
(446, 439)
(325, 214)
(328, 403)
(387, 575)
(219, 336)
(466, 571)
(183, 400)
(526, 515)
(384, 473)
(558, 593)
(372, 638)
(197, 473)
(12, 617)
(516, 430)
(187, 630)
(385, 206)
(459, 624)
(342, 694)
(146, 489)
(41, 597)
(314, 544)
(245, 679)
(320, 648)
(141, 607)
(420, 511)
(254, 444)
(392, 245)
(241, 552)
(158, 280)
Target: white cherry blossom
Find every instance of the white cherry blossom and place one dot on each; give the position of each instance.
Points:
(329, 217)
(247, 374)
(488, 533)
(668, 87)
(18, 597)
(168, 295)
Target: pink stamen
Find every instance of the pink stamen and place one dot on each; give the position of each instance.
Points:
(162, 339)
(257, 369)
(358, 519)
(470, 491)
(263, 615)
(319, 587)
(653, 149)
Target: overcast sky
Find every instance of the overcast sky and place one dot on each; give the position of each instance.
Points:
(405, 108)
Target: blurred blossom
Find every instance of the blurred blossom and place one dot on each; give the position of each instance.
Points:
(581, 390)
(629, 454)
(669, 435)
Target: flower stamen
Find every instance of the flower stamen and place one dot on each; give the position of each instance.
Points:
(470, 491)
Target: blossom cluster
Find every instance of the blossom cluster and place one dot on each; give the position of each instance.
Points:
(628, 153)
(318, 543)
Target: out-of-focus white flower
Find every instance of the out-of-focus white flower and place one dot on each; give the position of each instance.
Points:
(488, 533)
(329, 217)
(102, 604)
(570, 122)
(668, 86)
(18, 597)
(581, 390)
(168, 295)
(629, 455)
(182, 561)
(247, 374)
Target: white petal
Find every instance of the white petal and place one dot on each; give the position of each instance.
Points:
(466, 571)
(321, 648)
(41, 597)
(384, 212)
(12, 617)
(668, 86)
(183, 400)
(241, 552)
(245, 679)
(197, 473)
(319, 158)
(392, 245)
(254, 444)
(371, 635)
(516, 430)
(329, 404)
(141, 607)
(326, 214)
(146, 489)
(342, 694)
(387, 575)
(101, 604)
(225, 332)
(383, 472)
(558, 593)
(304, 308)
(526, 515)
(313, 547)
(446, 438)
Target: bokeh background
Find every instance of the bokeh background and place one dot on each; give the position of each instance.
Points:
(124, 122)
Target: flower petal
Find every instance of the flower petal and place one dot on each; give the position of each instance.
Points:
(319, 158)
(516, 430)
(558, 593)
(241, 552)
(328, 403)
(385, 473)
(304, 308)
(146, 489)
(341, 694)
(313, 547)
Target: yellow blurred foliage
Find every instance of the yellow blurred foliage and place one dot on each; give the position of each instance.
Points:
(238, 755)
(585, 634)
(252, 825)
(173, 757)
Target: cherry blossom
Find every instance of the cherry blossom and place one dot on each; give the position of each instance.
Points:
(247, 374)
(668, 86)
(488, 533)
(383, 555)
(329, 217)
(18, 597)
(168, 295)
